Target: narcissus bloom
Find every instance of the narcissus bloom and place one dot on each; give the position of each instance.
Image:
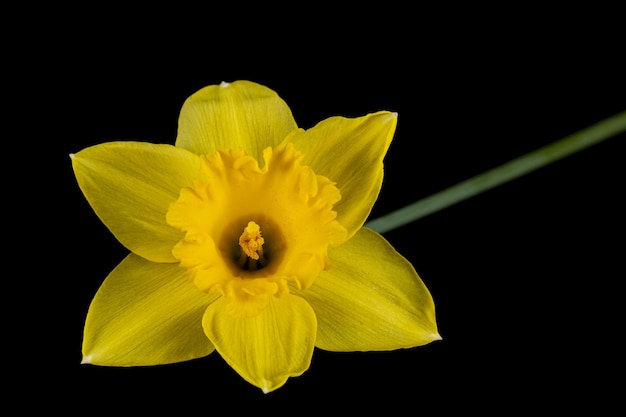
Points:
(246, 237)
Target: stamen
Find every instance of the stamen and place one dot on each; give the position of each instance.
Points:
(251, 243)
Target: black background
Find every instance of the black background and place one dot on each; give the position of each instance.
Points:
(525, 277)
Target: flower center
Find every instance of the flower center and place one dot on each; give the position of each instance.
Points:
(251, 243)
(249, 231)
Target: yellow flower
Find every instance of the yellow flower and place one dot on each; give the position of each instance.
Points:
(246, 237)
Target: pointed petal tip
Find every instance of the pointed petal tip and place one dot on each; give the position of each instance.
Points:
(387, 117)
(265, 390)
(86, 359)
(224, 84)
(72, 156)
(436, 336)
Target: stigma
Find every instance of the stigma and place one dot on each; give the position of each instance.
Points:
(251, 243)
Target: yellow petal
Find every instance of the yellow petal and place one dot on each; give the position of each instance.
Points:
(268, 348)
(130, 186)
(350, 152)
(239, 115)
(371, 299)
(146, 314)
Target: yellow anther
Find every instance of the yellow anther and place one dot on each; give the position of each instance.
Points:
(251, 241)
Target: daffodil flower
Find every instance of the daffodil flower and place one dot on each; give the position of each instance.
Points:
(247, 237)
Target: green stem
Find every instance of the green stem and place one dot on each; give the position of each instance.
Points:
(516, 168)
